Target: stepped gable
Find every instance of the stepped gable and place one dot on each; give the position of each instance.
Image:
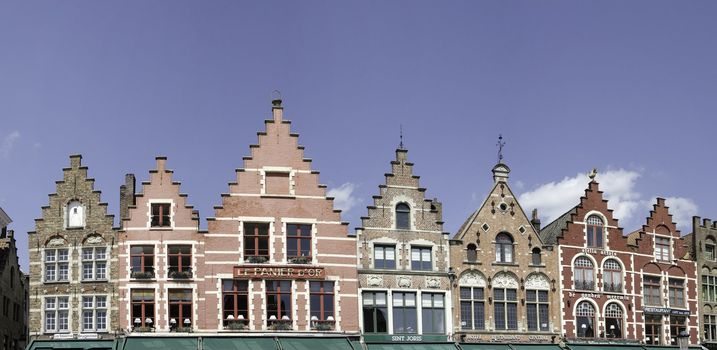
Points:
(161, 185)
(659, 222)
(401, 185)
(276, 157)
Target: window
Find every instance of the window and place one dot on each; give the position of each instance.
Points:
(180, 261)
(536, 258)
(653, 329)
(94, 313)
(256, 240)
(472, 308)
(594, 231)
(57, 265)
(57, 315)
(235, 301)
(421, 259)
(322, 300)
(278, 300)
(471, 253)
(709, 288)
(5, 306)
(612, 276)
(161, 215)
(403, 216)
(676, 292)
(583, 270)
(298, 241)
(537, 310)
(613, 321)
(651, 290)
(384, 256)
(505, 307)
(75, 215)
(710, 250)
(375, 312)
(142, 261)
(180, 308)
(433, 316)
(585, 320)
(143, 308)
(662, 248)
(677, 325)
(503, 248)
(94, 263)
(710, 327)
(404, 313)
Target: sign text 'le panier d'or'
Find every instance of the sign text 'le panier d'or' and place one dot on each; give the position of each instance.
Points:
(279, 272)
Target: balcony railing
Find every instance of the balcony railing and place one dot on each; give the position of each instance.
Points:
(147, 274)
(584, 285)
(612, 287)
(176, 273)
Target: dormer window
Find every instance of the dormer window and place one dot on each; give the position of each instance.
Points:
(403, 216)
(594, 231)
(161, 215)
(75, 214)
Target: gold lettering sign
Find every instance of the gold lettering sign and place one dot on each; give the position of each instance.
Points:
(279, 272)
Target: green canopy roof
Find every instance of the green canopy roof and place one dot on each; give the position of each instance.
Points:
(485, 346)
(71, 344)
(315, 343)
(239, 343)
(413, 346)
(154, 343)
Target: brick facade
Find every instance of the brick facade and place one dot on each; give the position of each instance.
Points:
(403, 259)
(703, 249)
(75, 221)
(13, 291)
(496, 252)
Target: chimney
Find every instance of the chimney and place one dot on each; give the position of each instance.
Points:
(127, 197)
(535, 221)
(500, 173)
(436, 205)
(277, 110)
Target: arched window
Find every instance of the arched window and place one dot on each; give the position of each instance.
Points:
(75, 214)
(585, 320)
(612, 276)
(594, 231)
(584, 274)
(710, 250)
(613, 321)
(535, 257)
(503, 248)
(471, 253)
(403, 216)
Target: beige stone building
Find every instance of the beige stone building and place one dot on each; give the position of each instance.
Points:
(13, 291)
(403, 262)
(73, 255)
(505, 285)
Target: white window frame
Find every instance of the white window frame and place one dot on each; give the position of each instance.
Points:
(51, 258)
(663, 250)
(171, 214)
(94, 307)
(94, 261)
(56, 311)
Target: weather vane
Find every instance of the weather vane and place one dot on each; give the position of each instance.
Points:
(592, 174)
(500, 145)
(400, 144)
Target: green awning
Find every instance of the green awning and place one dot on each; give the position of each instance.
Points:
(413, 346)
(484, 346)
(71, 344)
(357, 345)
(315, 343)
(535, 346)
(154, 343)
(239, 343)
(605, 347)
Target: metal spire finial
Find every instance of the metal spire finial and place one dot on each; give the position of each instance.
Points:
(400, 144)
(500, 145)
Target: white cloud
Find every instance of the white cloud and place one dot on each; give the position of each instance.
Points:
(343, 196)
(555, 198)
(682, 210)
(7, 143)
(619, 187)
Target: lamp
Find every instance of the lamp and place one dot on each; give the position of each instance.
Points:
(148, 320)
(240, 317)
(137, 320)
(314, 318)
(187, 322)
(583, 326)
(330, 319)
(285, 318)
(272, 318)
(172, 322)
(231, 317)
(683, 340)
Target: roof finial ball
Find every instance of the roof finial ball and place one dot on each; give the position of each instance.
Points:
(593, 174)
(276, 98)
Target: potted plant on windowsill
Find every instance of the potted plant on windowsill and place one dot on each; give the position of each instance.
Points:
(183, 274)
(236, 324)
(284, 324)
(256, 259)
(322, 325)
(300, 260)
(142, 275)
(186, 326)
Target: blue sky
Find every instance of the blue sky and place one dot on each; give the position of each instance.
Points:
(627, 87)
